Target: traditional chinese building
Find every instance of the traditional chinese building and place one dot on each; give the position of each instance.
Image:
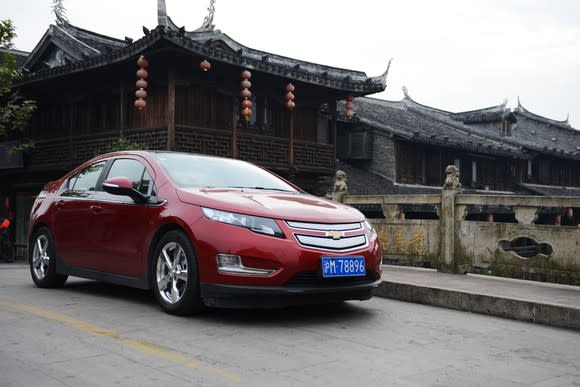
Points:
(404, 147)
(195, 91)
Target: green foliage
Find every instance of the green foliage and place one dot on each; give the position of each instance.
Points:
(15, 111)
(121, 145)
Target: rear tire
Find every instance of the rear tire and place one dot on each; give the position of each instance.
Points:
(42, 260)
(175, 275)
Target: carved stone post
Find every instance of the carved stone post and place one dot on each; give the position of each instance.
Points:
(451, 188)
(339, 189)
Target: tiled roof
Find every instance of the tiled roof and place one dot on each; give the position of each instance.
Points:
(89, 50)
(550, 190)
(409, 120)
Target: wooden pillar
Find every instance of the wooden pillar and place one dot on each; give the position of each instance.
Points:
(333, 134)
(122, 103)
(171, 108)
(291, 142)
(234, 127)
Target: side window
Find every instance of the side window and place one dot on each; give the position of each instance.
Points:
(86, 180)
(136, 172)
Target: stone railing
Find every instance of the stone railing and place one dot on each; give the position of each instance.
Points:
(490, 234)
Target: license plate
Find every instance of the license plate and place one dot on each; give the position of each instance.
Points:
(343, 266)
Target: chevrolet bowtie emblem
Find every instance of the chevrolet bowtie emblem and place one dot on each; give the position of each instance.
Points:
(335, 234)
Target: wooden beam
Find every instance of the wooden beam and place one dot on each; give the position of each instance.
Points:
(121, 108)
(291, 144)
(333, 131)
(234, 127)
(171, 108)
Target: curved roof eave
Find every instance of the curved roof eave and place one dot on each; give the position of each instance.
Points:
(347, 81)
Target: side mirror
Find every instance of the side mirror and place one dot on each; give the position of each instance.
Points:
(122, 186)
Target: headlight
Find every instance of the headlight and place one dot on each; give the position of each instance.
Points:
(370, 227)
(260, 225)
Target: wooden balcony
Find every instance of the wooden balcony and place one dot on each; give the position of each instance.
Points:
(63, 153)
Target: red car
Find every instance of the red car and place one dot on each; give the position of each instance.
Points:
(200, 230)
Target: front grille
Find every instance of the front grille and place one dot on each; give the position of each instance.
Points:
(313, 278)
(329, 243)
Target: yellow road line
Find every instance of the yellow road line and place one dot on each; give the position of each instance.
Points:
(138, 345)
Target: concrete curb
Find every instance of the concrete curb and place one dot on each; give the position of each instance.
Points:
(523, 310)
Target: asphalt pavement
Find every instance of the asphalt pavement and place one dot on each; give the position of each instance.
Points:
(535, 302)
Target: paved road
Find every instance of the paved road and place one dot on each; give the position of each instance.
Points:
(90, 334)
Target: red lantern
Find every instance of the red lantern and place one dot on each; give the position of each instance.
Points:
(290, 88)
(247, 104)
(142, 62)
(289, 96)
(245, 84)
(140, 104)
(246, 113)
(246, 94)
(204, 65)
(142, 73)
(290, 105)
(348, 107)
(246, 74)
(141, 84)
(141, 94)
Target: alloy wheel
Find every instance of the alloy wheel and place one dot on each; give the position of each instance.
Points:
(171, 272)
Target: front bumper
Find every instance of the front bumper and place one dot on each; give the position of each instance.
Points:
(234, 296)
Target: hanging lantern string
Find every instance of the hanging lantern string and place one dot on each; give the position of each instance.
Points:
(246, 95)
(349, 106)
(290, 104)
(141, 84)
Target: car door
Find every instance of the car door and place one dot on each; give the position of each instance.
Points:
(120, 228)
(72, 216)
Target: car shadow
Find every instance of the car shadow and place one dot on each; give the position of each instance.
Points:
(309, 314)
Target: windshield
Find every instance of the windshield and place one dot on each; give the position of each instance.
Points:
(188, 170)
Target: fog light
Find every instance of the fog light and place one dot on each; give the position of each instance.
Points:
(232, 264)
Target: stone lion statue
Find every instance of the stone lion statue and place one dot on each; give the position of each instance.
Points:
(452, 178)
(339, 188)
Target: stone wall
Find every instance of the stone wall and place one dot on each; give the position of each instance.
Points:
(517, 248)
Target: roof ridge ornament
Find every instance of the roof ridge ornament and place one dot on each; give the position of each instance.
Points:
(208, 20)
(60, 12)
(162, 18)
(405, 92)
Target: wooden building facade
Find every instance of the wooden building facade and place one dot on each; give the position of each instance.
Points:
(408, 145)
(85, 87)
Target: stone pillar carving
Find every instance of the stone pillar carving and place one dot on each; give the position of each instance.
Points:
(391, 212)
(451, 188)
(339, 189)
(526, 215)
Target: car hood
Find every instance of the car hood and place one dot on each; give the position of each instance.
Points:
(272, 204)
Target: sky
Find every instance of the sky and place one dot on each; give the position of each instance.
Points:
(450, 54)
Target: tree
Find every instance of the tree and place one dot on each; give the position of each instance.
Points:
(15, 110)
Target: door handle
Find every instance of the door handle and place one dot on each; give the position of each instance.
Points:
(96, 210)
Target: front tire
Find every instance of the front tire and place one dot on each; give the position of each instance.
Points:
(175, 276)
(42, 260)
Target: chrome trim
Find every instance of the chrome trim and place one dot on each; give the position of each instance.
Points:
(329, 243)
(325, 227)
